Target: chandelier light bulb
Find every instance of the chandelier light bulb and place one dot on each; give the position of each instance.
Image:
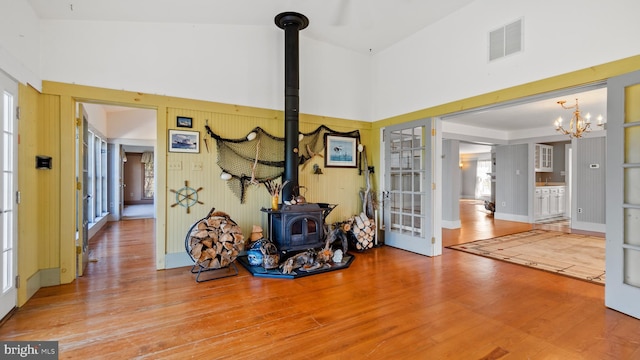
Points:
(588, 118)
(558, 121)
(252, 135)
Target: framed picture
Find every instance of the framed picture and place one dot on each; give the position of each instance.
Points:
(340, 151)
(184, 122)
(184, 141)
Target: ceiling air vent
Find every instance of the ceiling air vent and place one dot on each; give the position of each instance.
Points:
(505, 41)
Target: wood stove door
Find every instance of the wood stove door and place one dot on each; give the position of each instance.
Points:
(409, 170)
(305, 232)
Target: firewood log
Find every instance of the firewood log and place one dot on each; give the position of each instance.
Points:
(202, 234)
(196, 250)
(215, 264)
(213, 223)
(365, 219)
(208, 242)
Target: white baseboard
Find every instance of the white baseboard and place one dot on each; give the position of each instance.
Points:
(451, 224)
(511, 217)
(585, 226)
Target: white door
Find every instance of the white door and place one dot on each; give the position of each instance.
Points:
(622, 289)
(409, 216)
(8, 184)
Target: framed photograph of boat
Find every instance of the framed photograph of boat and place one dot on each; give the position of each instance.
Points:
(184, 122)
(184, 141)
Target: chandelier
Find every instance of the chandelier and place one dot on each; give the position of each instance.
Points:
(577, 125)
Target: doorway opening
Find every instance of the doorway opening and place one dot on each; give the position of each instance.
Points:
(525, 123)
(112, 133)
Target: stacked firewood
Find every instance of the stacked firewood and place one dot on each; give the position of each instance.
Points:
(364, 230)
(215, 241)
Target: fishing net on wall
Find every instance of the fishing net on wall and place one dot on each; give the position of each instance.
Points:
(259, 156)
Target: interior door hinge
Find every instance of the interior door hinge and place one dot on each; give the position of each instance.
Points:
(78, 250)
(17, 281)
(433, 186)
(433, 132)
(18, 112)
(78, 122)
(78, 185)
(18, 197)
(433, 240)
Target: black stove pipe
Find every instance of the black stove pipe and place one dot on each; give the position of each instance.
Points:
(291, 23)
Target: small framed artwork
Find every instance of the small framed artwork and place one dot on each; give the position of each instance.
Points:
(340, 151)
(184, 122)
(184, 141)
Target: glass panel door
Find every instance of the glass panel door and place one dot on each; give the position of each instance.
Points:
(622, 289)
(408, 193)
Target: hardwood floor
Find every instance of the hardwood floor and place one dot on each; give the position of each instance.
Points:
(389, 304)
(478, 224)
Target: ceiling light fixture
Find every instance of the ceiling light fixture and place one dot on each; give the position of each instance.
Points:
(577, 125)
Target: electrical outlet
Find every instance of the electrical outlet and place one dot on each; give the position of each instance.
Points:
(579, 210)
(174, 165)
(196, 166)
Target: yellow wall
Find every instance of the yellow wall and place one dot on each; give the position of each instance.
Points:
(340, 186)
(336, 186)
(29, 240)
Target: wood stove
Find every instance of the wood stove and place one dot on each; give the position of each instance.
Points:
(298, 227)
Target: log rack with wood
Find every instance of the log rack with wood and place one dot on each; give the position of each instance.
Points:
(213, 243)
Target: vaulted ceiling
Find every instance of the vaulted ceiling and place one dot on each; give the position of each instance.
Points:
(365, 26)
(361, 25)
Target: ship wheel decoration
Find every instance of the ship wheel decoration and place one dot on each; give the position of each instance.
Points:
(186, 196)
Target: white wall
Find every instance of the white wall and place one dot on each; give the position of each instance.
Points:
(97, 118)
(134, 124)
(448, 61)
(244, 64)
(19, 42)
(241, 65)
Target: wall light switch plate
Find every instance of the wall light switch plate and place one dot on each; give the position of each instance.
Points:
(174, 165)
(196, 166)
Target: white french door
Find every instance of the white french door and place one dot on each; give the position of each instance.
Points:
(622, 288)
(8, 186)
(409, 211)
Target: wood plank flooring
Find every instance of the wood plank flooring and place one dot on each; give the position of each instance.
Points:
(390, 304)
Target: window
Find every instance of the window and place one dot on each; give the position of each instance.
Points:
(97, 176)
(483, 179)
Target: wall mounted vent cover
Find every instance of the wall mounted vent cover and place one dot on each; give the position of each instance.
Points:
(505, 41)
